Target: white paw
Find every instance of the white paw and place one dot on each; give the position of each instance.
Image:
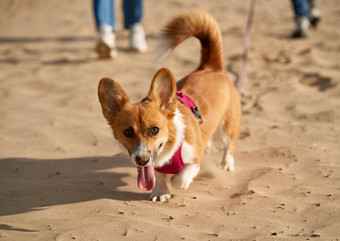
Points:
(179, 182)
(154, 197)
(228, 163)
(227, 167)
(184, 178)
(208, 147)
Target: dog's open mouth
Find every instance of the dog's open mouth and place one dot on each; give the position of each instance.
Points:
(146, 178)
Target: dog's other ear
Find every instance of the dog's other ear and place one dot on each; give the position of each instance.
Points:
(112, 97)
(163, 90)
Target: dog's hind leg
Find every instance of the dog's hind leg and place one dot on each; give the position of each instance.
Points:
(208, 146)
(230, 131)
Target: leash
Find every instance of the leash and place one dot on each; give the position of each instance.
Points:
(246, 38)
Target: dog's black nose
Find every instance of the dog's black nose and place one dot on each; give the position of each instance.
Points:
(142, 160)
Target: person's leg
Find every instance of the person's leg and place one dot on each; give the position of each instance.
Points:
(302, 18)
(104, 13)
(301, 8)
(104, 16)
(133, 11)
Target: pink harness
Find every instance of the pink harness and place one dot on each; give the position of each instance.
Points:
(176, 162)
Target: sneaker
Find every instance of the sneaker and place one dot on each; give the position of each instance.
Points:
(106, 47)
(315, 13)
(137, 38)
(303, 28)
(315, 17)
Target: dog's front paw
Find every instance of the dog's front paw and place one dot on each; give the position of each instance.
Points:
(161, 197)
(180, 182)
(184, 178)
(160, 192)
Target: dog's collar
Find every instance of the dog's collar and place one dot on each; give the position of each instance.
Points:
(176, 163)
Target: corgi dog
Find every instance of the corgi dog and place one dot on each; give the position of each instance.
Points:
(167, 132)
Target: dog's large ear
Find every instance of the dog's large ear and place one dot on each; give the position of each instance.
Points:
(112, 97)
(163, 90)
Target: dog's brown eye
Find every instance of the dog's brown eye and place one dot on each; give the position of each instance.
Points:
(129, 132)
(154, 131)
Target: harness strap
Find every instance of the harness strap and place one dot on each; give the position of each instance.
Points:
(190, 104)
(176, 163)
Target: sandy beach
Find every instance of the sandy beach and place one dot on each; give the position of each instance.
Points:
(63, 177)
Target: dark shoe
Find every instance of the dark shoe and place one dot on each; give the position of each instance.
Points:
(315, 16)
(303, 28)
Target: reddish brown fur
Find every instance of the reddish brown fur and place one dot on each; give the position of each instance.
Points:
(141, 116)
(202, 26)
(208, 86)
(121, 115)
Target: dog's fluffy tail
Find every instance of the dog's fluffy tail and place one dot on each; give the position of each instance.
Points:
(199, 24)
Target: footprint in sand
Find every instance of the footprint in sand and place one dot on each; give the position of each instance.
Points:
(316, 80)
(281, 57)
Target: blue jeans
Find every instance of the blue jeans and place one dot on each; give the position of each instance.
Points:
(104, 12)
(301, 8)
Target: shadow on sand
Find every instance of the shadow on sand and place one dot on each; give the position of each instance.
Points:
(31, 184)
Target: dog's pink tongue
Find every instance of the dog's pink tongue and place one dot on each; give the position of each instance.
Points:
(146, 178)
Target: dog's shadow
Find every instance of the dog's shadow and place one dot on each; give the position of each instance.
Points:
(32, 184)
